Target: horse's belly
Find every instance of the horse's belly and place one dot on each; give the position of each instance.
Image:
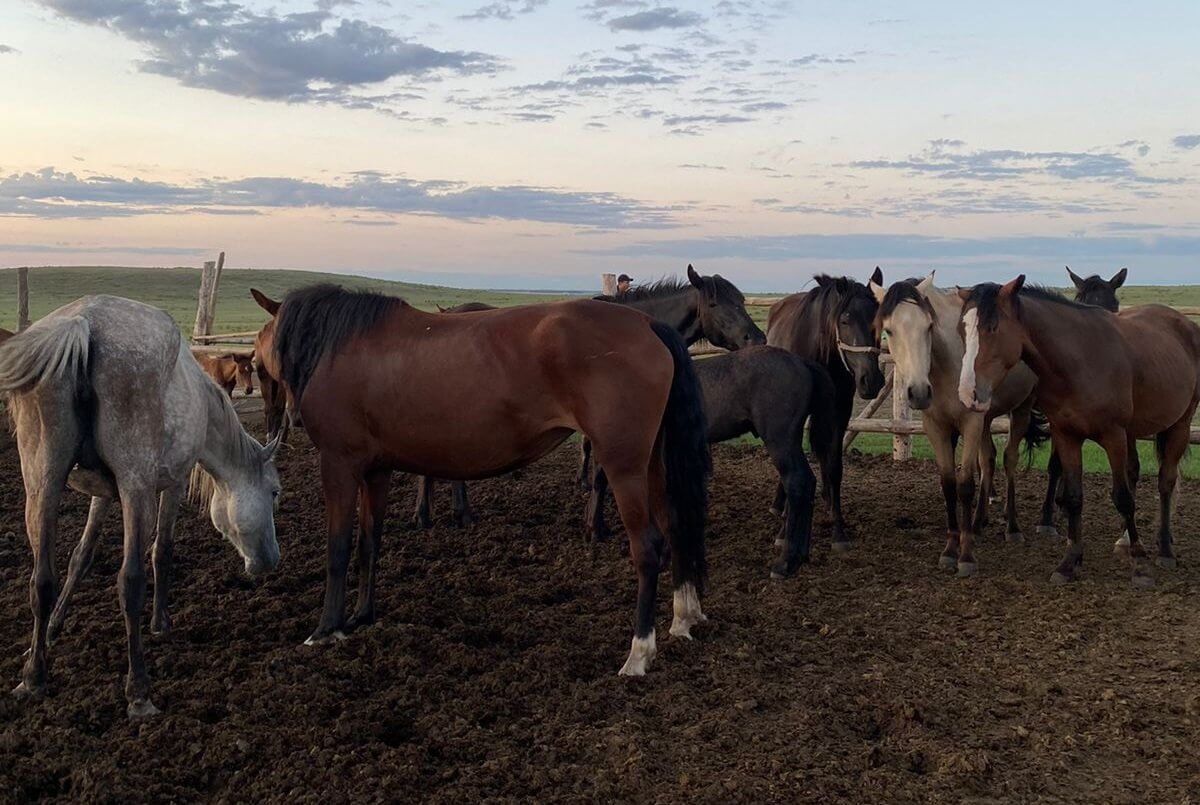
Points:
(467, 460)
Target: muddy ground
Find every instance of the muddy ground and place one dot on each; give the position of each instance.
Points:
(869, 677)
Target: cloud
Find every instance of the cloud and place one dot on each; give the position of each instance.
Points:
(52, 194)
(1186, 141)
(656, 19)
(306, 57)
(884, 247)
(66, 248)
(944, 159)
(7, 49)
(504, 9)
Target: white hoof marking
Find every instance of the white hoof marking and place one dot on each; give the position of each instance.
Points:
(641, 653)
(687, 611)
(1123, 542)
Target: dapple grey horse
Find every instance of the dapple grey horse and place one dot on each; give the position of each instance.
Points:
(105, 396)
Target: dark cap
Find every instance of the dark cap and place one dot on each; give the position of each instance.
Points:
(624, 278)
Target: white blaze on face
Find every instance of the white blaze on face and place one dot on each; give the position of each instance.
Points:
(966, 380)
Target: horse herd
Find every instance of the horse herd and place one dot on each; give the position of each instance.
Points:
(474, 392)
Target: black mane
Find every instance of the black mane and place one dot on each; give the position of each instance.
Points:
(317, 320)
(898, 294)
(716, 285)
(986, 298)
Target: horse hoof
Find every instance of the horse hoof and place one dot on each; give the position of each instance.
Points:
(776, 512)
(1143, 582)
(1121, 549)
(640, 654)
(1059, 578)
(948, 562)
(840, 547)
(358, 621)
(141, 708)
(320, 640)
(1047, 531)
(1167, 562)
(779, 543)
(1014, 537)
(23, 692)
(967, 569)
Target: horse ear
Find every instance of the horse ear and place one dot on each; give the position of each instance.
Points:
(925, 285)
(441, 309)
(695, 278)
(877, 290)
(272, 447)
(1118, 279)
(825, 279)
(877, 276)
(1075, 278)
(265, 302)
(1012, 287)
(963, 293)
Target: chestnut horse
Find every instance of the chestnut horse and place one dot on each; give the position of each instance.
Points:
(1107, 377)
(834, 325)
(228, 370)
(273, 394)
(382, 386)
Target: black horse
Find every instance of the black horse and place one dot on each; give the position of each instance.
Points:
(834, 325)
(1097, 291)
(770, 393)
(711, 308)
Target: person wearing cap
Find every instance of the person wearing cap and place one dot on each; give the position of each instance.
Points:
(623, 283)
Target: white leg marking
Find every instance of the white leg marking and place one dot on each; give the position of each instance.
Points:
(641, 652)
(966, 378)
(687, 611)
(1123, 542)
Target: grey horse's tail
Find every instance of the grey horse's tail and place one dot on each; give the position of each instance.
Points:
(52, 349)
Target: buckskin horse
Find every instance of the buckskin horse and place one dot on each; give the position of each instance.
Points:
(374, 378)
(833, 324)
(1107, 377)
(921, 326)
(105, 396)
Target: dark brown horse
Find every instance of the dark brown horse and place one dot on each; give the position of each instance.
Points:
(834, 325)
(382, 386)
(1109, 378)
(1095, 290)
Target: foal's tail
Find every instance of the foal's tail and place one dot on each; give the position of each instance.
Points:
(824, 426)
(1037, 433)
(52, 349)
(684, 436)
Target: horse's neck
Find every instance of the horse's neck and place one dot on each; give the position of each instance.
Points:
(1044, 349)
(227, 447)
(677, 311)
(946, 347)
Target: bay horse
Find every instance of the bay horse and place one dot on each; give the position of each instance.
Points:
(703, 307)
(920, 323)
(374, 379)
(228, 370)
(771, 393)
(1107, 377)
(833, 324)
(273, 393)
(1095, 290)
(105, 396)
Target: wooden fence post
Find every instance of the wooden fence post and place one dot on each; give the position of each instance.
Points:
(22, 299)
(608, 284)
(211, 314)
(901, 442)
(889, 375)
(208, 277)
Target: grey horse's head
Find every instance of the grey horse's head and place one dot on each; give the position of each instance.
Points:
(242, 507)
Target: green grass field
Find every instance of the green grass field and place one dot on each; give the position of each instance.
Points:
(175, 290)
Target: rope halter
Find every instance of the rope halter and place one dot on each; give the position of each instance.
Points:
(843, 348)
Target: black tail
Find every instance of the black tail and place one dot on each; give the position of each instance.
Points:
(684, 435)
(1037, 433)
(824, 426)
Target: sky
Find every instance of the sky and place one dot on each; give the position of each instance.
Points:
(538, 143)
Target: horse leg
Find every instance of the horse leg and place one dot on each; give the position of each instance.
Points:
(1069, 450)
(372, 510)
(1172, 444)
(987, 475)
(831, 492)
(1054, 471)
(1116, 445)
(422, 517)
(1019, 419)
(631, 490)
(583, 478)
(138, 510)
(463, 516)
(593, 514)
(972, 438)
(340, 484)
(798, 479)
(164, 549)
(778, 506)
(940, 439)
(1133, 471)
(81, 563)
